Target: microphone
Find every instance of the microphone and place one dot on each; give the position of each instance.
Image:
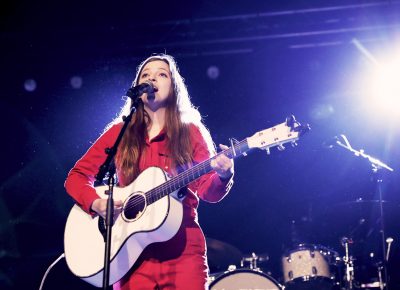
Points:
(136, 91)
(330, 142)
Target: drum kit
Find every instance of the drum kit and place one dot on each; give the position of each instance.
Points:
(304, 266)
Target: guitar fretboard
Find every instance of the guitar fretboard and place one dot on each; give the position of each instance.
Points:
(193, 173)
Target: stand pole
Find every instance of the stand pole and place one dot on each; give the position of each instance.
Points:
(108, 166)
(109, 223)
(379, 182)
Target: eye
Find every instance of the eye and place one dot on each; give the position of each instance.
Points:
(164, 75)
(144, 75)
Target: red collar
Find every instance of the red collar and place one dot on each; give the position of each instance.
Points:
(159, 137)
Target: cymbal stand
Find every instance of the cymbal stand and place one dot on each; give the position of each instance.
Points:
(381, 284)
(348, 262)
(377, 167)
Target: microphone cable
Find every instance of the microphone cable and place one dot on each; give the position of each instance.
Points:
(49, 268)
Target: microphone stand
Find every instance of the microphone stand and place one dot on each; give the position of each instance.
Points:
(108, 166)
(377, 167)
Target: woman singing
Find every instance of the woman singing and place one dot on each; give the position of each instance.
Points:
(166, 131)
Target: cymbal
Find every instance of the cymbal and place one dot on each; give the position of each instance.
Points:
(356, 208)
(221, 254)
(358, 219)
(362, 208)
(364, 202)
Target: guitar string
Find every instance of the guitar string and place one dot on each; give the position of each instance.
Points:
(184, 178)
(167, 187)
(170, 186)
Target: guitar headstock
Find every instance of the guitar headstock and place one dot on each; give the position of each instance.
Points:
(286, 132)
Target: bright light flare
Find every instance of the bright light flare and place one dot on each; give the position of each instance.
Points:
(385, 89)
(380, 88)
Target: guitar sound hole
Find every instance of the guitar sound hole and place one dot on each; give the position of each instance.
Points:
(134, 207)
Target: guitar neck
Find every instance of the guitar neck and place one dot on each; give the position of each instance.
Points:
(193, 173)
(288, 131)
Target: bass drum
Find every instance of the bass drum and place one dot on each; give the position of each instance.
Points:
(244, 279)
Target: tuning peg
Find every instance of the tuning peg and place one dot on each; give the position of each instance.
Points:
(291, 121)
(267, 150)
(294, 143)
(281, 147)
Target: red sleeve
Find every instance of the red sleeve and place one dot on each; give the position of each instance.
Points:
(80, 180)
(209, 187)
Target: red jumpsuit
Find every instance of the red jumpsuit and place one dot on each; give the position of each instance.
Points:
(179, 263)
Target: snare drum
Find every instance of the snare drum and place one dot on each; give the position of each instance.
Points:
(244, 279)
(307, 267)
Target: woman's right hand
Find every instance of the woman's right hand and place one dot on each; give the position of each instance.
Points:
(100, 207)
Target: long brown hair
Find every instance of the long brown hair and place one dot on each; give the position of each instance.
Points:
(180, 113)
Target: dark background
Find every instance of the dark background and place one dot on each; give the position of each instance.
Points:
(275, 58)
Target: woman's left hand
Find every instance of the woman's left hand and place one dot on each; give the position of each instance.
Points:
(222, 164)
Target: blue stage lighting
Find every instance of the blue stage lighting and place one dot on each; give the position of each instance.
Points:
(30, 85)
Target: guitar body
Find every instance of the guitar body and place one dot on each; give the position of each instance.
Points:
(131, 234)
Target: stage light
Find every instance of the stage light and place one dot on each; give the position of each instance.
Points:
(213, 72)
(384, 92)
(30, 85)
(76, 82)
(379, 86)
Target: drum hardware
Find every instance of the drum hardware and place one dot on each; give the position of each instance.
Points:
(389, 242)
(381, 284)
(377, 167)
(253, 261)
(376, 284)
(349, 278)
(348, 262)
